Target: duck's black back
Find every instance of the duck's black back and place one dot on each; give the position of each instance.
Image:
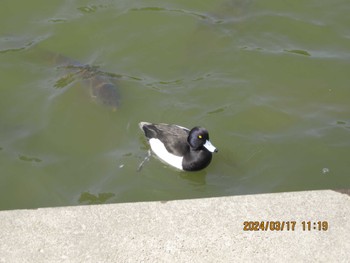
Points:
(173, 137)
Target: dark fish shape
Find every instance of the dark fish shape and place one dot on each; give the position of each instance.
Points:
(103, 85)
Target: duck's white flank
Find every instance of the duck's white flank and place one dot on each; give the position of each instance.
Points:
(159, 149)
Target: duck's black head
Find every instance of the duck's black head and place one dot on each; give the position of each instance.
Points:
(199, 138)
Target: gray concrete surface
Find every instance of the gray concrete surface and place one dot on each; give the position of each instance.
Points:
(200, 230)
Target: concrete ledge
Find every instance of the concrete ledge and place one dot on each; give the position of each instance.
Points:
(200, 230)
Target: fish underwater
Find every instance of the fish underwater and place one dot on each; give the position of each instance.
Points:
(103, 86)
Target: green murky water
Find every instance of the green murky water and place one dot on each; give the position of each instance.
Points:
(268, 79)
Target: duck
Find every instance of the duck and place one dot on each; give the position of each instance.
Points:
(180, 147)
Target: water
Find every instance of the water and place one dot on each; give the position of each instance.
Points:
(269, 80)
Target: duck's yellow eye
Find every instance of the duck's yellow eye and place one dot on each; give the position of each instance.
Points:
(200, 136)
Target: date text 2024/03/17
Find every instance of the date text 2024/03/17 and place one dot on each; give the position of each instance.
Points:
(285, 225)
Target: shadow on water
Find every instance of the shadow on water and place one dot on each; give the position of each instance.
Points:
(91, 199)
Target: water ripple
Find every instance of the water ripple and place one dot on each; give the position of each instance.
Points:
(201, 16)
